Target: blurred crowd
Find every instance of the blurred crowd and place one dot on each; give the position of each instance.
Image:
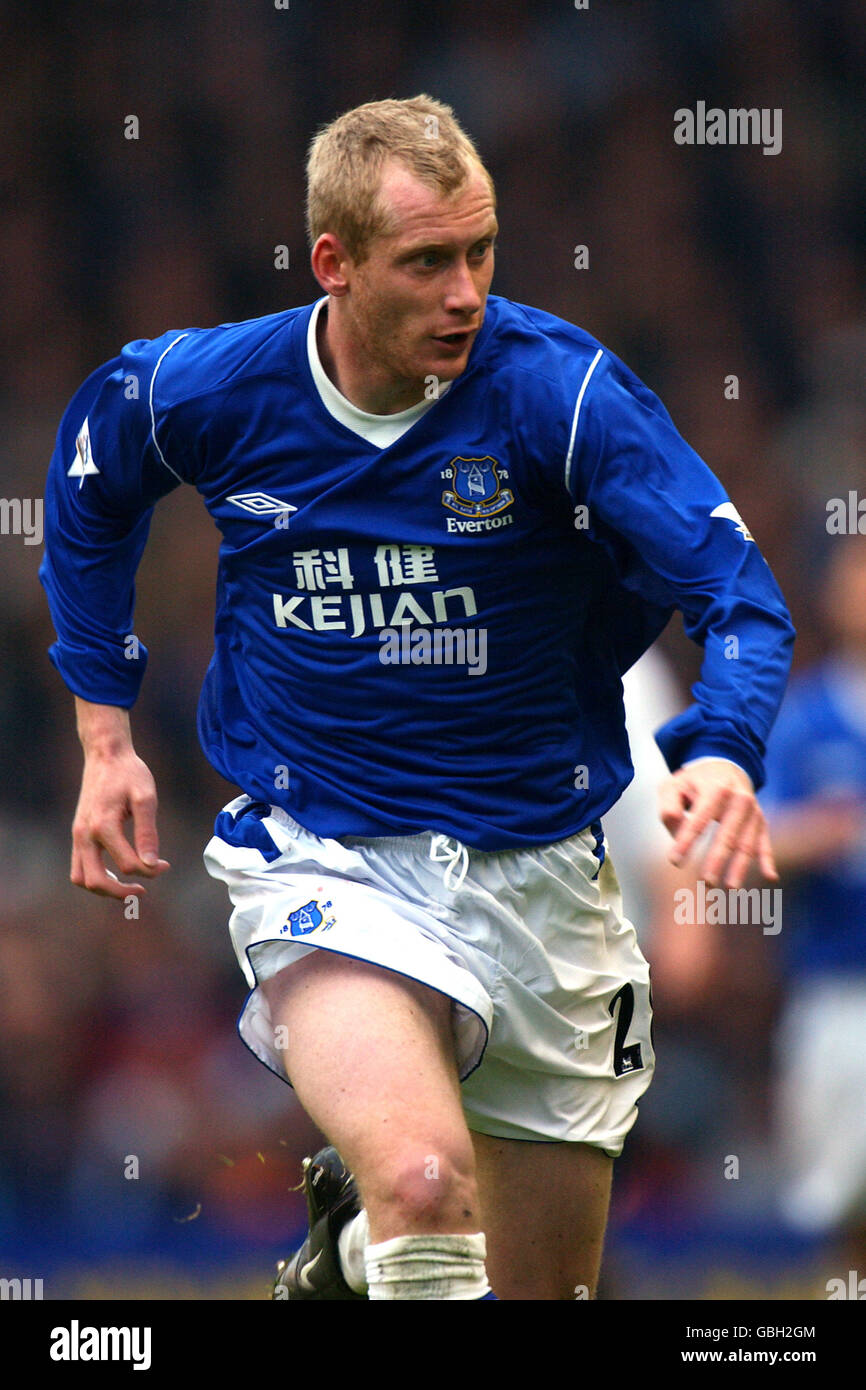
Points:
(704, 264)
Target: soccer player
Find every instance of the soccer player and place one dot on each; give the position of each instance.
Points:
(450, 523)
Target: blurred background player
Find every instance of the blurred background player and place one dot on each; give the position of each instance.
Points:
(816, 803)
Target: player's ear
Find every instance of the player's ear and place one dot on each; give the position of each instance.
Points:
(331, 264)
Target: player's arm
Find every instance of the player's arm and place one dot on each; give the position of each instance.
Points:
(106, 474)
(675, 538)
(809, 836)
(115, 786)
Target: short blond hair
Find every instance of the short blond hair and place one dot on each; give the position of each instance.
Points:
(344, 165)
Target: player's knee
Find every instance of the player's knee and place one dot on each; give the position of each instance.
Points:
(428, 1188)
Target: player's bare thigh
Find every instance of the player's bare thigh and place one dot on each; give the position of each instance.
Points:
(544, 1211)
(370, 1054)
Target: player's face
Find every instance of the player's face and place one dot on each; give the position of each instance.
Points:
(417, 302)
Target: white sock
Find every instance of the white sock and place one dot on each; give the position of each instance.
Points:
(428, 1267)
(351, 1244)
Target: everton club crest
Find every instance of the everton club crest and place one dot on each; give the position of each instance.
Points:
(476, 488)
(305, 919)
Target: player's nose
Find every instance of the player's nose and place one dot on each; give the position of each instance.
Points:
(462, 291)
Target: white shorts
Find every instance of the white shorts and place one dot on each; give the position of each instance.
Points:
(551, 1001)
(821, 1103)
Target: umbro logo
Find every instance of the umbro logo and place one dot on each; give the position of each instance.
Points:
(261, 504)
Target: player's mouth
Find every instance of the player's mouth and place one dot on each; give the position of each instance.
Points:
(455, 341)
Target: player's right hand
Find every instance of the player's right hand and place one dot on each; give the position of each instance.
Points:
(115, 788)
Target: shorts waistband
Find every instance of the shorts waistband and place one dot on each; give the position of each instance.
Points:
(421, 842)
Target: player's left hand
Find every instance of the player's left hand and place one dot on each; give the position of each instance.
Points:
(715, 789)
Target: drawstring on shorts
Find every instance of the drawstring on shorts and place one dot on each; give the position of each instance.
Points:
(444, 849)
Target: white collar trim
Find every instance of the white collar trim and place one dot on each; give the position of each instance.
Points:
(380, 430)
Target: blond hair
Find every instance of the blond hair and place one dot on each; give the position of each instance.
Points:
(344, 165)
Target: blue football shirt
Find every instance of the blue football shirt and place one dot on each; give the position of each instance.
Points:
(427, 633)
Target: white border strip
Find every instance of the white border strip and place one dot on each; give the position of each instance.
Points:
(153, 417)
(592, 366)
